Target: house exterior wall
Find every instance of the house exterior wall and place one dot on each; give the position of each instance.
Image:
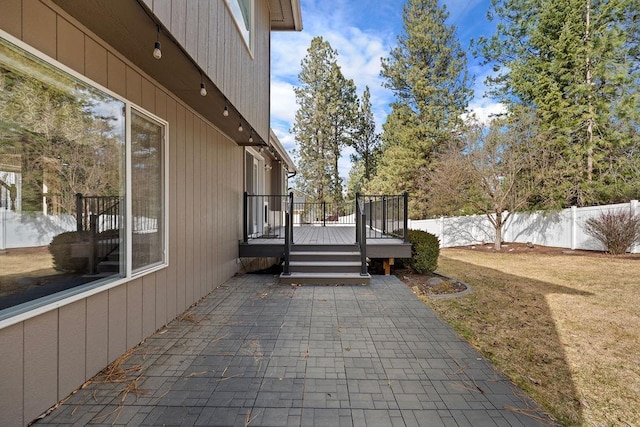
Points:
(198, 24)
(47, 356)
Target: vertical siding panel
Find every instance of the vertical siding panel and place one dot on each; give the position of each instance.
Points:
(174, 237)
(161, 298)
(213, 160)
(212, 47)
(178, 20)
(148, 304)
(227, 80)
(11, 372)
(192, 28)
(134, 86)
(11, 17)
(208, 259)
(181, 213)
(202, 55)
(40, 364)
(72, 347)
(116, 75)
(97, 333)
(220, 38)
(70, 45)
(188, 204)
(134, 312)
(219, 176)
(39, 27)
(95, 61)
(196, 212)
(148, 96)
(204, 212)
(161, 276)
(117, 322)
(162, 9)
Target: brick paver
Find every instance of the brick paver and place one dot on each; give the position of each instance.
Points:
(266, 354)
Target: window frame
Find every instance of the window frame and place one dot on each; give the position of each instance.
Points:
(27, 310)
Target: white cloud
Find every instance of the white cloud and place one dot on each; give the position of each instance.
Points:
(283, 101)
(486, 110)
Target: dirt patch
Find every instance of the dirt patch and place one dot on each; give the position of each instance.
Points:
(429, 284)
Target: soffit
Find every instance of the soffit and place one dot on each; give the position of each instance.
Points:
(285, 15)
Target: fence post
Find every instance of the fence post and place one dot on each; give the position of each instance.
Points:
(324, 213)
(384, 215)
(442, 232)
(287, 244)
(574, 227)
(363, 247)
(245, 218)
(406, 216)
(635, 211)
(79, 212)
(290, 217)
(357, 215)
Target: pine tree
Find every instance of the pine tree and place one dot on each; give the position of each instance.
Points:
(573, 62)
(365, 140)
(427, 73)
(323, 122)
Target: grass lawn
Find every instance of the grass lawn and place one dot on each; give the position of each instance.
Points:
(564, 327)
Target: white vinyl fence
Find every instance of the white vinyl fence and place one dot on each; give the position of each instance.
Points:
(564, 229)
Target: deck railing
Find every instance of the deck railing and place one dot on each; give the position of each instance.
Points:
(387, 215)
(264, 215)
(101, 217)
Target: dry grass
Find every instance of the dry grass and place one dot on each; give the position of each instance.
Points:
(36, 264)
(566, 328)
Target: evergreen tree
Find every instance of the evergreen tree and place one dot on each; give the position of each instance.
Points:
(365, 139)
(427, 73)
(573, 62)
(323, 124)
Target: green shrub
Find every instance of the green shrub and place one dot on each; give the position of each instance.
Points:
(425, 249)
(61, 248)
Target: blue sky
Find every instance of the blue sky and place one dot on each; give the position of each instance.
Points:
(363, 32)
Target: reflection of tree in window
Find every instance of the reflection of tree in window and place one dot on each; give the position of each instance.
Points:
(57, 141)
(146, 199)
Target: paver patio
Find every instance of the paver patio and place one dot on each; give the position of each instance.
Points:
(265, 354)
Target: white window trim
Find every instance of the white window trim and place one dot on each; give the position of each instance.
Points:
(30, 309)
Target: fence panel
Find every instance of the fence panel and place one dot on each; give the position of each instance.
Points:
(563, 229)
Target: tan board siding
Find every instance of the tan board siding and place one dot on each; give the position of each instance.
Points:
(48, 356)
(207, 32)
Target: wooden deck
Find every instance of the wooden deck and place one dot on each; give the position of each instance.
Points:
(326, 236)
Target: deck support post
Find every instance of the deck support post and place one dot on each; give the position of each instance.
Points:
(388, 262)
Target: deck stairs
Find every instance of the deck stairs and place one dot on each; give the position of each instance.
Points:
(335, 264)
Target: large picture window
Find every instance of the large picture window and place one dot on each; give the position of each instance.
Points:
(64, 157)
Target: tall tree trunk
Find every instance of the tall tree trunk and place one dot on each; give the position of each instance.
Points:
(497, 244)
(590, 119)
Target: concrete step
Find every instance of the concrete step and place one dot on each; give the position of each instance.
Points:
(335, 279)
(324, 266)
